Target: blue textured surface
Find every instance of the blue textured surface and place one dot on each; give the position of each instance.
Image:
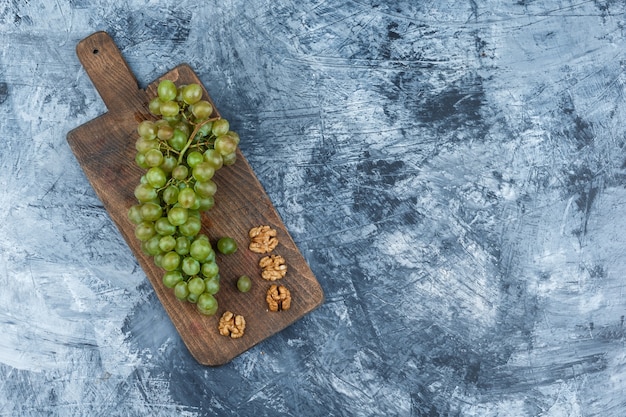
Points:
(453, 172)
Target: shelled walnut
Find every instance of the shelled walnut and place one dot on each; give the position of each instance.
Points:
(273, 266)
(278, 298)
(262, 239)
(232, 325)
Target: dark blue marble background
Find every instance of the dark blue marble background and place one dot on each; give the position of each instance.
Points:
(453, 172)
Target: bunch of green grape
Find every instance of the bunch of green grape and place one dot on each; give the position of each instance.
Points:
(180, 152)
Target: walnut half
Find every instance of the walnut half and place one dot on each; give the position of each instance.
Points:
(273, 267)
(262, 239)
(232, 325)
(278, 298)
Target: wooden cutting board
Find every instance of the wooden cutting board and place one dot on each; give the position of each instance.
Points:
(105, 149)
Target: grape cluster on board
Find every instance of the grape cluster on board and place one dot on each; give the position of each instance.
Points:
(180, 152)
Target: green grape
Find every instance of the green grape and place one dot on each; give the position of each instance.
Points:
(196, 285)
(152, 246)
(227, 245)
(170, 195)
(220, 127)
(165, 132)
(214, 158)
(143, 145)
(151, 212)
(171, 278)
(191, 227)
(134, 214)
(140, 160)
(167, 243)
(191, 93)
(169, 108)
(207, 304)
(187, 197)
(230, 159)
(202, 109)
(209, 269)
(234, 135)
(192, 298)
(206, 203)
(177, 216)
(178, 140)
(163, 227)
(144, 230)
(169, 163)
(147, 130)
(200, 249)
(167, 90)
(205, 129)
(182, 245)
(156, 177)
(194, 158)
(145, 193)
(190, 266)
(244, 283)
(212, 285)
(203, 171)
(170, 261)
(181, 172)
(205, 188)
(155, 106)
(181, 291)
(225, 145)
(183, 127)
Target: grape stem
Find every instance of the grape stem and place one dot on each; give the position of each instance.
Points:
(192, 136)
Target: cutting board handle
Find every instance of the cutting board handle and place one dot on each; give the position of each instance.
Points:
(109, 72)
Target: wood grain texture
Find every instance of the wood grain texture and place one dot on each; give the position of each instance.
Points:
(105, 149)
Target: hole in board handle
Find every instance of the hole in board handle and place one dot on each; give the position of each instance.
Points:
(95, 51)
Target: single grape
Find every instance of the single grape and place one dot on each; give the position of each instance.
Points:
(220, 127)
(178, 140)
(203, 171)
(244, 283)
(144, 230)
(143, 145)
(190, 266)
(169, 163)
(227, 245)
(181, 172)
(202, 109)
(235, 136)
(134, 214)
(155, 106)
(225, 145)
(169, 108)
(214, 158)
(177, 216)
(152, 246)
(140, 160)
(156, 177)
(183, 127)
(170, 195)
(207, 304)
(206, 203)
(194, 158)
(165, 132)
(196, 285)
(212, 285)
(192, 298)
(205, 129)
(167, 90)
(171, 278)
(210, 269)
(151, 212)
(230, 159)
(163, 227)
(191, 227)
(186, 197)
(167, 243)
(181, 291)
(170, 261)
(145, 193)
(205, 188)
(147, 130)
(191, 93)
(200, 249)
(182, 245)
